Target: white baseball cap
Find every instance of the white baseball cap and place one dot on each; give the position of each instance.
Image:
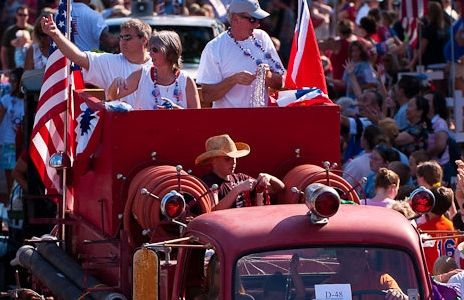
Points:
(250, 7)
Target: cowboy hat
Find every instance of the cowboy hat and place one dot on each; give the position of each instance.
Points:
(222, 145)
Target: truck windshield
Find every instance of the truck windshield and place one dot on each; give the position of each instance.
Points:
(325, 273)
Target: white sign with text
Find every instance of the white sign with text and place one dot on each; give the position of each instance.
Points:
(333, 291)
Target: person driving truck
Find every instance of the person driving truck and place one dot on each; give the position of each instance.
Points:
(354, 269)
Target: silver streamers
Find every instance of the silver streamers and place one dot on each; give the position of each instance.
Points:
(259, 91)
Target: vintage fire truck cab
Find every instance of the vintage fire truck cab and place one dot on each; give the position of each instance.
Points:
(343, 258)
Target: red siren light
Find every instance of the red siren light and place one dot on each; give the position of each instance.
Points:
(327, 204)
(323, 201)
(173, 205)
(421, 200)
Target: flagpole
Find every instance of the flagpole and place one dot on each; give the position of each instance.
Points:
(62, 203)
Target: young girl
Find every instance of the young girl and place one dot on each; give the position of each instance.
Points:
(386, 188)
(11, 116)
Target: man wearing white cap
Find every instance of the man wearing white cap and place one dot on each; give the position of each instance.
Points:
(228, 65)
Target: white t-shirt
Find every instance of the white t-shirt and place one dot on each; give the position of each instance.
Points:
(362, 12)
(146, 100)
(14, 113)
(400, 117)
(357, 168)
(387, 202)
(105, 67)
(40, 61)
(222, 58)
(458, 279)
(439, 125)
(88, 25)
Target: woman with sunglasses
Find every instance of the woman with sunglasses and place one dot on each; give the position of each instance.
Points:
(162, 85)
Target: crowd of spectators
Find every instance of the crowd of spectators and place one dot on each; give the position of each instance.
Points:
(396, 130)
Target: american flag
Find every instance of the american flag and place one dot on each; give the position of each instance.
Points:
(305, 65)
(49, 124)
(411, 11)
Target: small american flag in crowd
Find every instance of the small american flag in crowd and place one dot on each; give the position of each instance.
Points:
(411, 11)
(49, 124)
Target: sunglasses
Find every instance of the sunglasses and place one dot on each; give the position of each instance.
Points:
(154, 49)
(22, 15)
(250, 19)
(126, 37)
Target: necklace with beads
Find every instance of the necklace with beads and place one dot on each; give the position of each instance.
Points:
(274, 65)
(156, 90)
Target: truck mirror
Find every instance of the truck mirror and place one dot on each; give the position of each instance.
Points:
(145, 277)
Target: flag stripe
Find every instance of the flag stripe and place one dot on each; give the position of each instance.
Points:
(57, 63)
(51, 112)
(44, 145)
(300, 38)
(49, 125)
(411, 10)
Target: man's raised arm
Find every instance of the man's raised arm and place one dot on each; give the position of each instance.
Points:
(68, 49)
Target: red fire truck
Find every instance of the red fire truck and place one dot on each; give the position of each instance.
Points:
(128, 235)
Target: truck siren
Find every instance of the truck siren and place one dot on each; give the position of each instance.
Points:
(421, 200)
(323, 202)
(172, 204)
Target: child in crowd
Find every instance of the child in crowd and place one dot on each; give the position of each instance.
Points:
(386, 187)
(415, 159)
(429, 174)
(436, 220)
(24, 41)
(404, 174)
(11, 116)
